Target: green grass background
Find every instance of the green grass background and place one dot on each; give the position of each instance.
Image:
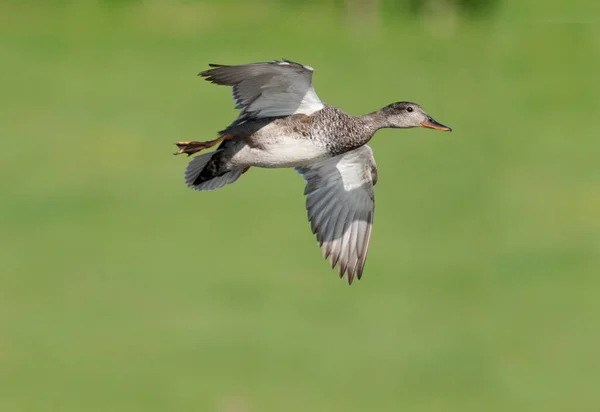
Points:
(121, 290)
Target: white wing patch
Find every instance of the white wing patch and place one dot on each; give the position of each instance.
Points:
(268, 89)
(340, 203)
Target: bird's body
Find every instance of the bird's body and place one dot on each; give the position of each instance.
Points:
(283, 124)
(295, 140)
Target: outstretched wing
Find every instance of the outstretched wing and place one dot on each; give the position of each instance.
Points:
(340, 202)
(269, 89)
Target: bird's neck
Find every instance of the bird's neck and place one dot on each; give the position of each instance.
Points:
(374, 121)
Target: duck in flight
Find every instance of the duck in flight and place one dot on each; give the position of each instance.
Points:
(282, 123)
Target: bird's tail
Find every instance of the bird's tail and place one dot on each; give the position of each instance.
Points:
(203, 174)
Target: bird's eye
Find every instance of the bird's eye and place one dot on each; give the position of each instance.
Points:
(409, 109)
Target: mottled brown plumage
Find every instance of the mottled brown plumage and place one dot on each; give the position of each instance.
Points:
(282, 123)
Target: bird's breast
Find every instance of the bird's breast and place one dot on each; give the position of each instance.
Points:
(281, 151)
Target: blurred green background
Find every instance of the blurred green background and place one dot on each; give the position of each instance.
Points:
(121, 290)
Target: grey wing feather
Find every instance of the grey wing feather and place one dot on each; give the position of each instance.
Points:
(268, 89)
(340, 202)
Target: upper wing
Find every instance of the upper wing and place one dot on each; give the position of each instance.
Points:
(267, 89)
(340, 203)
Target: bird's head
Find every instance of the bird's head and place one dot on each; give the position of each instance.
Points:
(406, 114)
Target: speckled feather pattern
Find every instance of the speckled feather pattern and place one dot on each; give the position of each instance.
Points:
(283, 123)
(328, 131)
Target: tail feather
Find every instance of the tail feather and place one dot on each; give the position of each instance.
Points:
(195, 167)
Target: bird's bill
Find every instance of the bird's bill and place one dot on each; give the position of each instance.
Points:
(432, 124)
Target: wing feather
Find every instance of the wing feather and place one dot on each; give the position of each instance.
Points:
(267, 89)
(340, 203)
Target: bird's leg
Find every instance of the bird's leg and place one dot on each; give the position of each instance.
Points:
(190, 148)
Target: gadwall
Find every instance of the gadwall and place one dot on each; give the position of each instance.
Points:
(282, 123)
